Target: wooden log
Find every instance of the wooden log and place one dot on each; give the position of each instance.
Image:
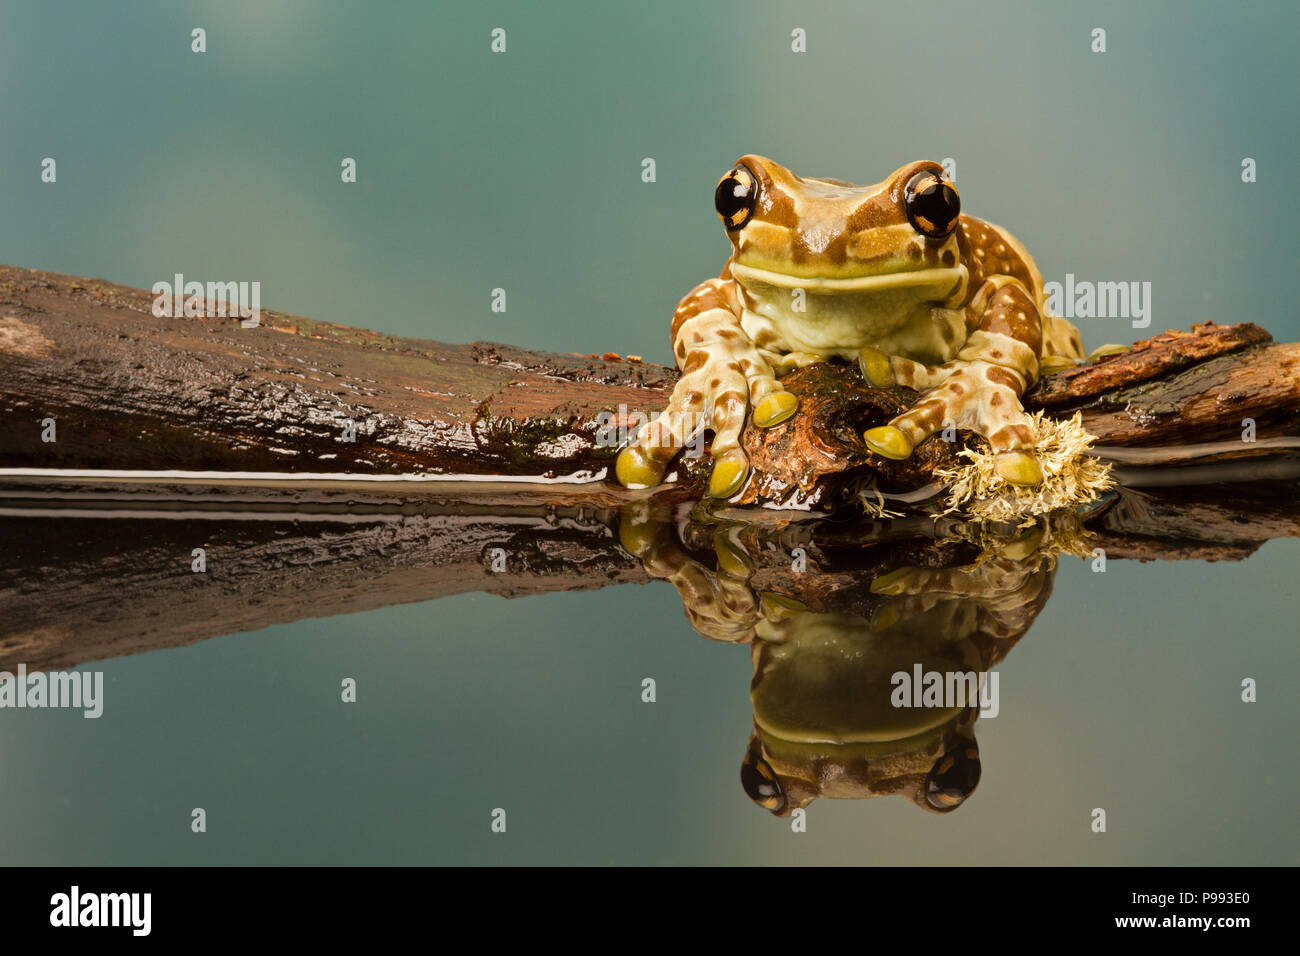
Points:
(129, 390)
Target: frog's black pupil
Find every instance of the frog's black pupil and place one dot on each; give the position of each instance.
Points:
(953, 778)
(933, 206)
(734, 198)
(761, 787)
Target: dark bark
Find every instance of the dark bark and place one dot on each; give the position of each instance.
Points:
(131, 391)
(91, 571)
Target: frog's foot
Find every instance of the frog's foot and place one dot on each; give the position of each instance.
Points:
(1001, 571)
(785, 362)
(1105, 351)
(719, 604)
(1051, 364)
(716, 391)
(971, 394)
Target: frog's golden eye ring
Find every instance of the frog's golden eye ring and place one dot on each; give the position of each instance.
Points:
(932, 205)
(735, 197)
(761, 783)
(953, 777)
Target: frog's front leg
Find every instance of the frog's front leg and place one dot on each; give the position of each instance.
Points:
(723, 378)
(980, 390)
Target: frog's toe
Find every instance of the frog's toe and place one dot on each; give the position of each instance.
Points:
(876, 367)
(1051, 364)
(886, 616)
(637, 533)
(787, 362)
(733, 559)
(643, 462)
(730, 470)
(779, 607)
(1102, 351)
(888, 442)
(1023, 545)
(895, 582)
(775, 409)
(1019, 468)
(635, 469)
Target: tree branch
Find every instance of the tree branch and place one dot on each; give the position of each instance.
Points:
(128, 390)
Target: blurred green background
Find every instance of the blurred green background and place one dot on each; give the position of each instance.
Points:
(522, 171)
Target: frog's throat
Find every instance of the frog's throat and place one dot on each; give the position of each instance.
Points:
(946, 281)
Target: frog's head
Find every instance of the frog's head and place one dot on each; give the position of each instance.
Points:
(828, 721)
(829, 237)
(937, 773)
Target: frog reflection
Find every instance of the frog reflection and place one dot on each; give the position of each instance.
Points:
(835, 642)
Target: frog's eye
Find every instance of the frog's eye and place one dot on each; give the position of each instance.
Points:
(761, 784)
(932, 205)
(953, 777)
(735, 197)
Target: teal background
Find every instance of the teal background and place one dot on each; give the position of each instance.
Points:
(522, 171)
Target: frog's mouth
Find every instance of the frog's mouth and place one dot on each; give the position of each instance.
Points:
(865, 742)
(943, 281)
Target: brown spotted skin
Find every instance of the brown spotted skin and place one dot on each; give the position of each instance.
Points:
(987, 253)
(824, 269)
(720, 606)
(723, 376)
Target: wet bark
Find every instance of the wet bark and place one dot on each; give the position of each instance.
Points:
(128, 390)
(92, 571)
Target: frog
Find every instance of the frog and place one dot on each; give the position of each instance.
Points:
(829, 636)
(893, 276)
(826, 724)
